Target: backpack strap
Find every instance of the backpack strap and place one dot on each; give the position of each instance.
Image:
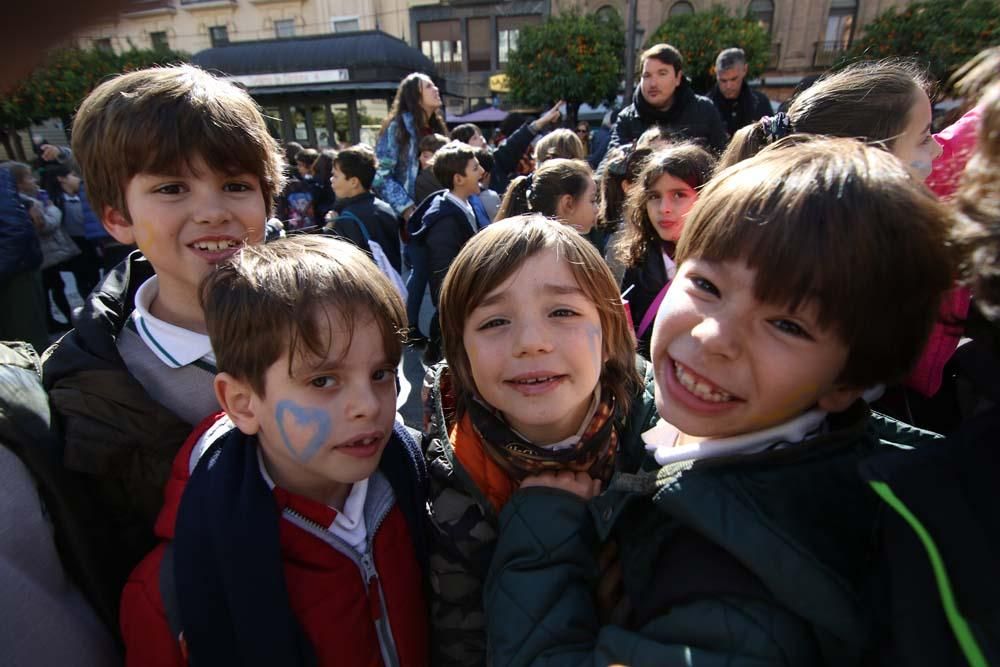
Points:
(364, 229)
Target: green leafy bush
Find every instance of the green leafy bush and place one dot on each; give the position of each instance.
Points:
(941, 33)
(570, 57)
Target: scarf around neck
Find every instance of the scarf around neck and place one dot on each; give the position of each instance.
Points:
(593, 453)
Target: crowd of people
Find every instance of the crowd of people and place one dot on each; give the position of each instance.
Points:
(712, 384)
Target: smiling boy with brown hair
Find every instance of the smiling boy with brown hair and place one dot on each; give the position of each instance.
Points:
(807, 274)
(181, 164)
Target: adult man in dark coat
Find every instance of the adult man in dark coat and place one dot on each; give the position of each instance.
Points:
(737, 103)
(664, 97)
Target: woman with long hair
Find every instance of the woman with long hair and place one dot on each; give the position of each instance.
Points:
(415, 114)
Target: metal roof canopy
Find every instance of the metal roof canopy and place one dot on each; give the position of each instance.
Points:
(369, 56)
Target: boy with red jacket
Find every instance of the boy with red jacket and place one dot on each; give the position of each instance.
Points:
(296, 517)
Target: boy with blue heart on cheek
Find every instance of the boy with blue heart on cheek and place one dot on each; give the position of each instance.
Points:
(293, 522)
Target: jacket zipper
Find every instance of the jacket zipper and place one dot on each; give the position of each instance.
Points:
(373, 584)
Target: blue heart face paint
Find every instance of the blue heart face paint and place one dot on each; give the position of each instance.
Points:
(303, 430)
(323, 422)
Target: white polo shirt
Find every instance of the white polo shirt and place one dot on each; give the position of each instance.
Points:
(173, 345)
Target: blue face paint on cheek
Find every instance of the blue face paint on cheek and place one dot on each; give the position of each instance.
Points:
(595, 341)
(922, 167)
(303, 430)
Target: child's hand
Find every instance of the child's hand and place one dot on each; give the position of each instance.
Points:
(578, 483)
(50, 153)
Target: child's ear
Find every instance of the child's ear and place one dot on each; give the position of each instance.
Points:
(565, 205)
(839, 399)
(118, 226)
(236, 398)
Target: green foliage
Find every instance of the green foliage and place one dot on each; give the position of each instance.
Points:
(571, 57)
(943, 34)
(56, 88)
(702, 35)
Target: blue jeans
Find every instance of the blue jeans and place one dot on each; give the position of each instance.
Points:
(416, 282)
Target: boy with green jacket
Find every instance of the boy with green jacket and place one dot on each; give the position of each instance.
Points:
(806, 275)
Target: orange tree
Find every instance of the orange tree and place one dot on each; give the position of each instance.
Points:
(702, 35)
(56, 88)
(569, 57)
(943, 34)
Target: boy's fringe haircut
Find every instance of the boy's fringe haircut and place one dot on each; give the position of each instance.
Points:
(493, 255)
(450, 161)
(159, 120)
(842, 226)
(276, 297)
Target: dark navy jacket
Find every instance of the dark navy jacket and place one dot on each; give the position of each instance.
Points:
(19, 249)
(443, 228)
(379, 219)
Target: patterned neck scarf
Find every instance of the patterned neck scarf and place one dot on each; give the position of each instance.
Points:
(594, 452)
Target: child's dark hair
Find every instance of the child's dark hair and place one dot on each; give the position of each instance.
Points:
(493, 255)
(307, 157)
(292, 148)
(485, 157)
(870, 101)
(688, 162)
(432, 143)
(464, 132)
(540, 191)
(977, 234)
(160, 120)
(275, 297)
(623, 164)
(358, 162)
(451, 161)
(839, 225)
(323, 166)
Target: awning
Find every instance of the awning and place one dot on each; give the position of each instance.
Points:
(354, 60)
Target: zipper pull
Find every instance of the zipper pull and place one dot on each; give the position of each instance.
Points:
(371, 579)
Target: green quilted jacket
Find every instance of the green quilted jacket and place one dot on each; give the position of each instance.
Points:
(464, 525)
(741, 561)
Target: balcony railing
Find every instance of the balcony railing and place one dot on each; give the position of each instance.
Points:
(149, 7)
(828, 53)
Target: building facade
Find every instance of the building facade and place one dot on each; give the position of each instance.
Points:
(807, 36)
(468, 40)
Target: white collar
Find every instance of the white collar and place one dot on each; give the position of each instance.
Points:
(660, 439)
(175, 346)
(351, 518)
